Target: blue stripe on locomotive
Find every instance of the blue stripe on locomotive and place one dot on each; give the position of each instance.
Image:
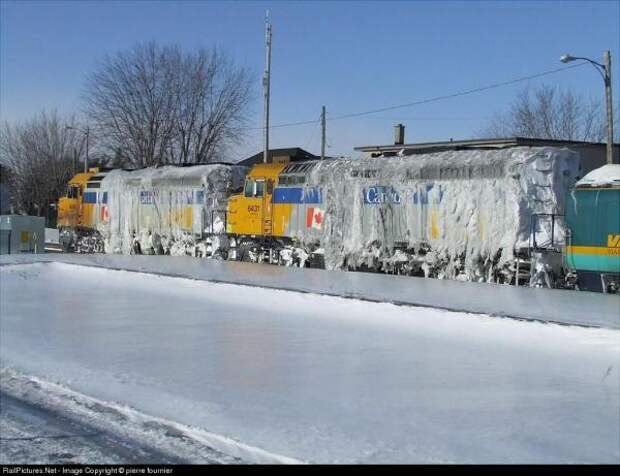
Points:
(91, 197)
(297, 195)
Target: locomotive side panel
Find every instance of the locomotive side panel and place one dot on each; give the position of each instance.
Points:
(455, 214)
(166, 209)
(593, 248)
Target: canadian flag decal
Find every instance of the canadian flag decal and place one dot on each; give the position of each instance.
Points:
(314, 218)
(105, 213)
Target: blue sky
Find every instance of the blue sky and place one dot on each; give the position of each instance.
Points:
(348, 56)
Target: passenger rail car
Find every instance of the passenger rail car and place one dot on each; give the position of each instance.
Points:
(593, 217)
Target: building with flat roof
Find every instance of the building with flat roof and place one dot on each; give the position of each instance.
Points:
(593, 154)
(280, 156)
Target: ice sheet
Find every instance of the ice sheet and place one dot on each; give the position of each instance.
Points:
(318, 378)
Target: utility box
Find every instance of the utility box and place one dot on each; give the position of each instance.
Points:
(22, 234)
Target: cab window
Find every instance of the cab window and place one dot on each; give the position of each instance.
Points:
(260, 188)
(254, 188)
(73, 191)
(249, 188)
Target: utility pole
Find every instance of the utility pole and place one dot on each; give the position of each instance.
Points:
(323, 133)
(86, 159)
(605, 71)
(610, 118)
(266, 83)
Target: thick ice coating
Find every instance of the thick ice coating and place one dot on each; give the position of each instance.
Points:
(453, 214)
(184, 203)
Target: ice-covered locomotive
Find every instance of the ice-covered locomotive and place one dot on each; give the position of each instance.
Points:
(468, 215)
(152, 210)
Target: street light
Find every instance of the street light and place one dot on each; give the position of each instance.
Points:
(605, 71)
(87, 133)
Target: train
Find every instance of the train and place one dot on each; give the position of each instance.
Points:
(593, 240)
(506, 216)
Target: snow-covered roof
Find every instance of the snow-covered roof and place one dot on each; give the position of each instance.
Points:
(604, 176)
(169, 173)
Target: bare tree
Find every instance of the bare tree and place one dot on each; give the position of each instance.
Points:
(157, 105)
(212, 101)
(40, 156)
(550, 113)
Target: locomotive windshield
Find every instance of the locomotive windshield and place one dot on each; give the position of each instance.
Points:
(254, 188)
(260, 188)
(73, 191)
(249, 188)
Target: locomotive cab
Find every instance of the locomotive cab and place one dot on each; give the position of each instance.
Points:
(251, 212)
(70, 206)
(75, 210)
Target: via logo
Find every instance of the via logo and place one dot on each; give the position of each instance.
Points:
(381, 194)
(146, 197)
(613, 241)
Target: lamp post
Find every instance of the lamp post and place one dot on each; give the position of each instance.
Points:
(605, 71)
(87, 133)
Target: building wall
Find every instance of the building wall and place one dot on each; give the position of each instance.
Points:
(22, 234)
(593, 157)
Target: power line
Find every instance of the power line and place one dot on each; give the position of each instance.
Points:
(428, 100)
(460, 93)
(312, 134)
(288, 124)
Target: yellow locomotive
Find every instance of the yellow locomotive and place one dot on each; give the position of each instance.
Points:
(151, 210)
(78, 214)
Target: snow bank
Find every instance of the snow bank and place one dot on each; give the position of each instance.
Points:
(52, 235)
(546, 305)
(188, 444)
(603, 176)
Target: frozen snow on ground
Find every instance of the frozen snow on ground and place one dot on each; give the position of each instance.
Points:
(28, 436)
(52, 236)
(318, 378)
(112, 433)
